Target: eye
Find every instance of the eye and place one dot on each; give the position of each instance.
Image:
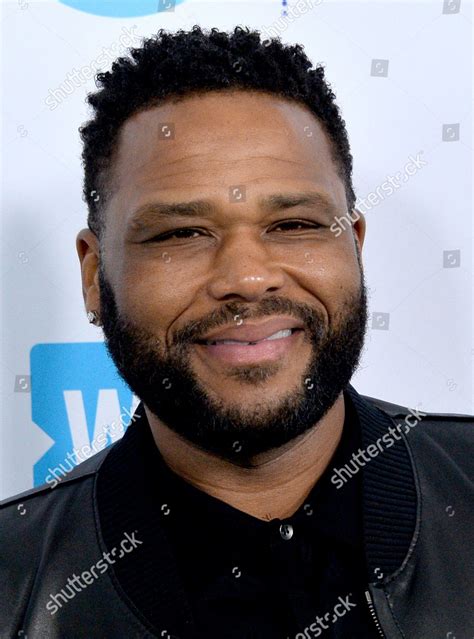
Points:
(296, 225)
(180, 234)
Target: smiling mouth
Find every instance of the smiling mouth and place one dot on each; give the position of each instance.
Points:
(275, 336)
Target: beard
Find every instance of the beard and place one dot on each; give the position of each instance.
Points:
(163, 377)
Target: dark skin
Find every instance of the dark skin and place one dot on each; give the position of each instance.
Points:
(238, 251)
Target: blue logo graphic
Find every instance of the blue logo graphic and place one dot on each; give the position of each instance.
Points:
(122, 8)
(79, 400)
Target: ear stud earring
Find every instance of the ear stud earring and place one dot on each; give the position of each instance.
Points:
(93, 317)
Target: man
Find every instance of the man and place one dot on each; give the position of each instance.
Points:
(255, 493)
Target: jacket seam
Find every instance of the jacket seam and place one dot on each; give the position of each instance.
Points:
(389, 606)
(414, 542)
(27, 599)
(133, 614)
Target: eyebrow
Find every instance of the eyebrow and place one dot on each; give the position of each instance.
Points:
(147, 214)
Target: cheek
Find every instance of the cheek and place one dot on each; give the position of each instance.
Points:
(157, 291)
(328, 270)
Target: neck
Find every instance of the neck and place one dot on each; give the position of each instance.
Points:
(279, 480)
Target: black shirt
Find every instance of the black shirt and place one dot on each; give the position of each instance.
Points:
(242, 577)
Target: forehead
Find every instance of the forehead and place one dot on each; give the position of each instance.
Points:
(210, 141)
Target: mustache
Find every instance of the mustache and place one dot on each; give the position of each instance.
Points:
(237, 312)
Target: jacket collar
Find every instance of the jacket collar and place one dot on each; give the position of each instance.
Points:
(388, 482)
(389, 506)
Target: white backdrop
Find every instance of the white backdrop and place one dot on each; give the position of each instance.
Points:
(402, 74)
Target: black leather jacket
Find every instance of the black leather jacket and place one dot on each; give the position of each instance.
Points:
(48, 535)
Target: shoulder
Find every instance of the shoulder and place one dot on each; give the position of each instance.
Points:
(448, 434)
(400, 411)
(39, 528)
(48, 493)
(33, 522)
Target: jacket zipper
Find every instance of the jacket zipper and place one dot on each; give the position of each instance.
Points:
(373, 614)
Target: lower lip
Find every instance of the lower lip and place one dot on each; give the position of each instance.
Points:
(268, 350)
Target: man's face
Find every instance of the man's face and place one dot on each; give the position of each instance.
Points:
(240, 267)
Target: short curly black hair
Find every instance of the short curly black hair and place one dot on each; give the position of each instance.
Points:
(175, 65)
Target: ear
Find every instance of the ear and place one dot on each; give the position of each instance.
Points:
(88, 250)
(358, 227)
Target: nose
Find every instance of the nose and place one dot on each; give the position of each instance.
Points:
(243, 268)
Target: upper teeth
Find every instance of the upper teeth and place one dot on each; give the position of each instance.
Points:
(286, 332)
